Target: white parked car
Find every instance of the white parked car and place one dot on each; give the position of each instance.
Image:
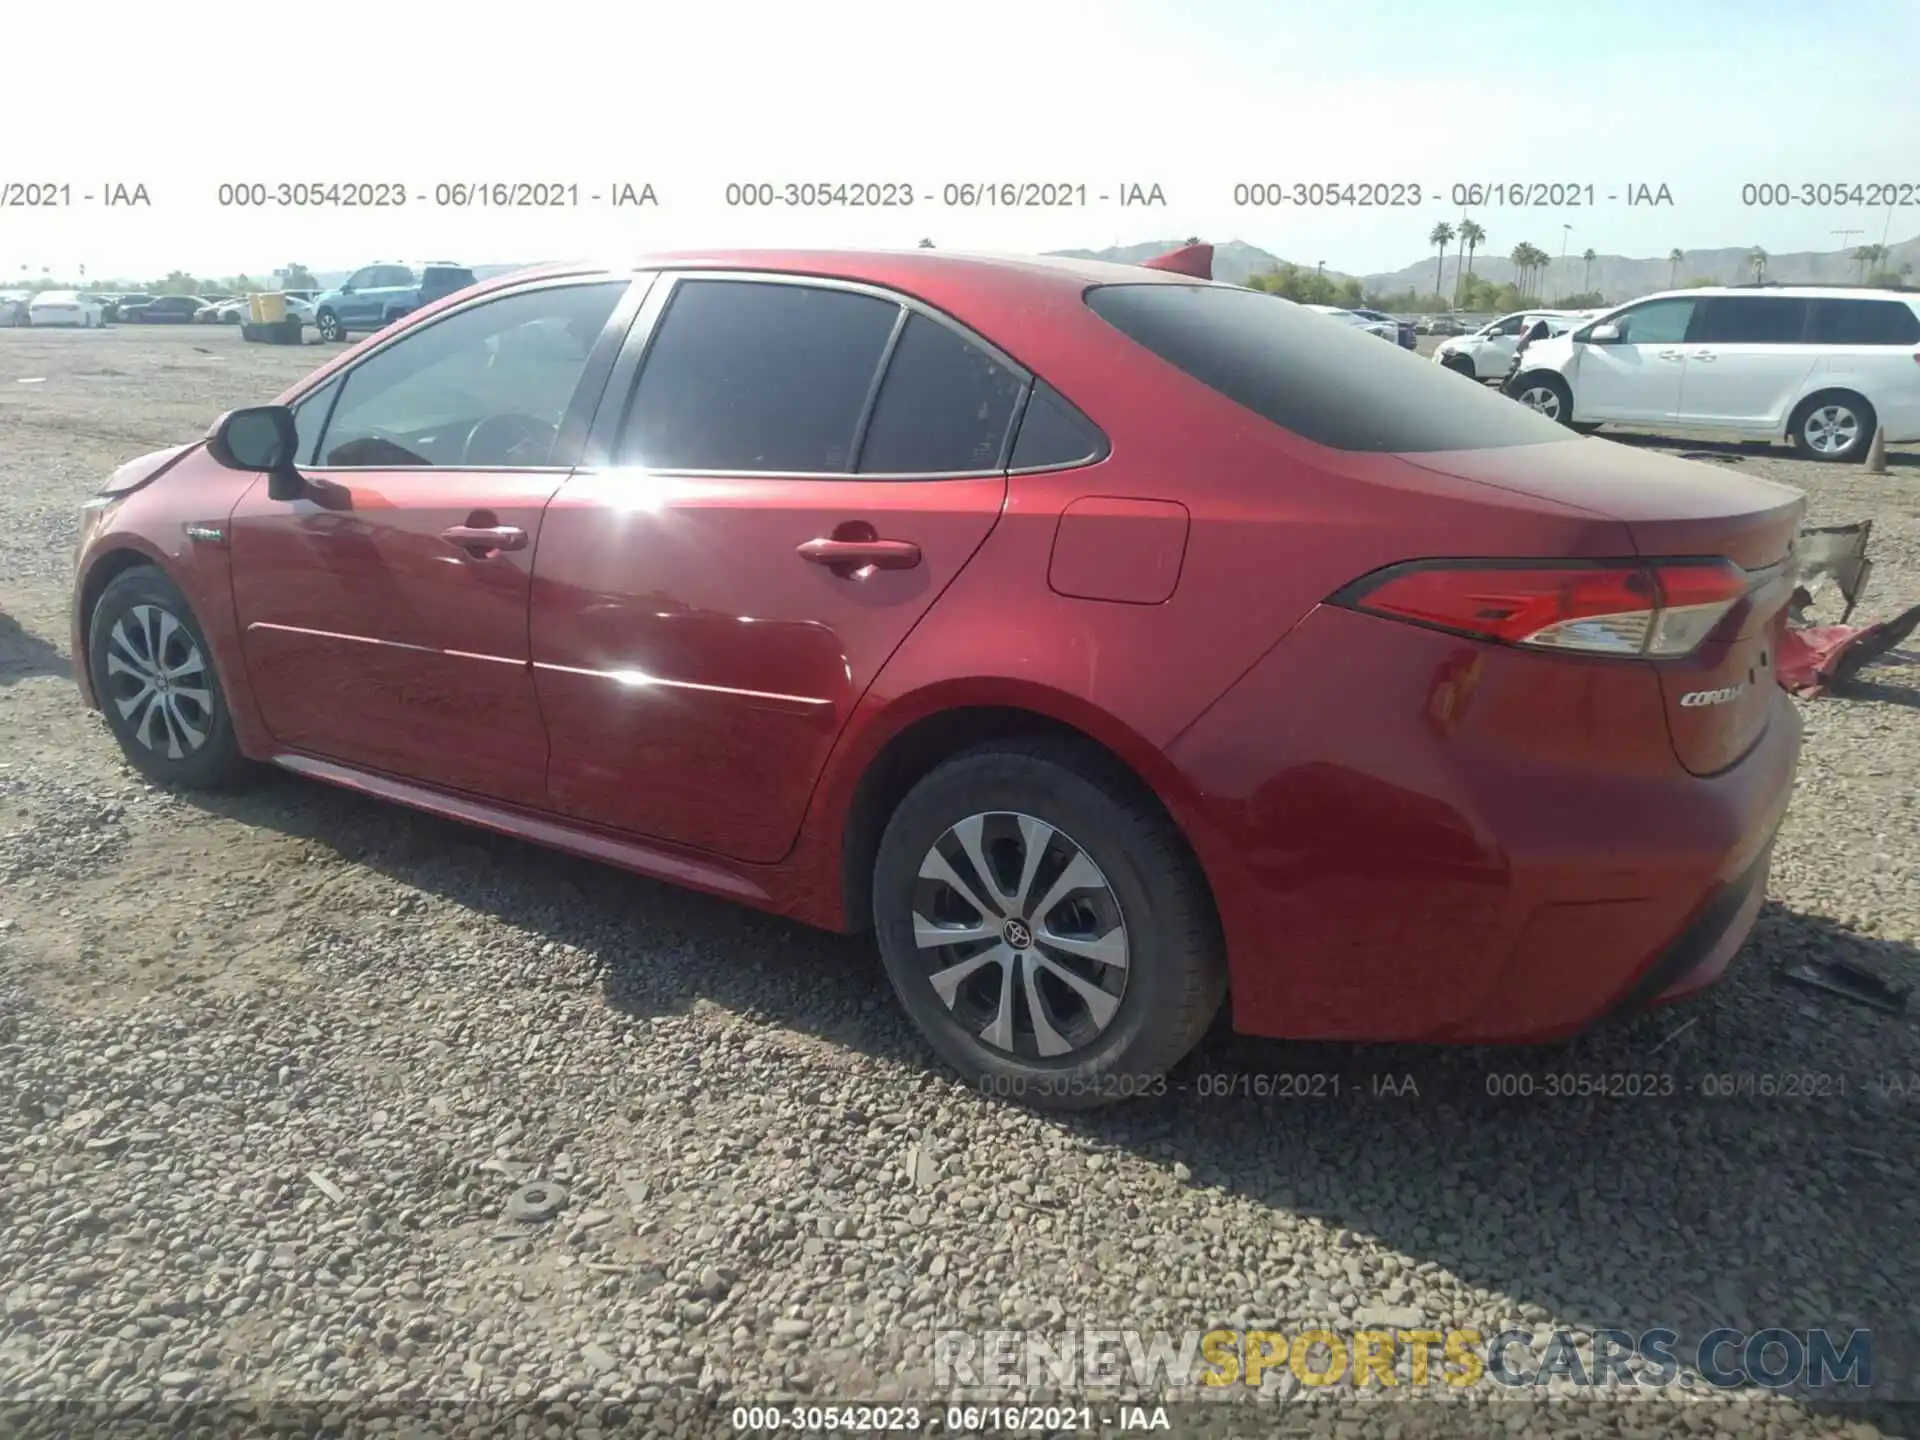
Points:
(1487, 354)
(235, 312)
(1820, 366)
(1385, 329)
(64, 307)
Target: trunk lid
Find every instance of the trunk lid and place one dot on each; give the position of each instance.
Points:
(1718, 699)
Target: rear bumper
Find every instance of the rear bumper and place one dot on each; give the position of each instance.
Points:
(1704, 950)
(1422, 839)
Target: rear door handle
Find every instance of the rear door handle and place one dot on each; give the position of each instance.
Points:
(1706, 357)
(844, 557)
(484, 540)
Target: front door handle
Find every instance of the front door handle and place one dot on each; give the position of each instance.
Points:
(485, 540)
(1669, 354)
(1705, 357)
(846, 557)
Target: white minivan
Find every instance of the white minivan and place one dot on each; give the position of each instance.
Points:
(1819, 365)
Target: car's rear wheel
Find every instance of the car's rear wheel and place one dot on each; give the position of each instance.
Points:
(1045, 927)
(153, 675)
(328, 324)
(1836, 426)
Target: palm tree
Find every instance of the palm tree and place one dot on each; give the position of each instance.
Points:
(926, 244)
(1440, 237)
(1674, 257)
(1868, 255)
(1586, 280)
(1474, 237)
(1757, 262)
(1522, 258)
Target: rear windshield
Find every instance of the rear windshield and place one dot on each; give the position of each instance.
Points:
(438, 277)
(1333, 384)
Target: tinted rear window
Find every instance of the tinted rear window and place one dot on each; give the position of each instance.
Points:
(1329, 383)
(447, 280)
(944, 407)
(1749, 320)
(1864, 322)
(1053, 433)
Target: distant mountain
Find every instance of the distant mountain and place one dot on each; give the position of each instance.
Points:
(1617, 277)
(1621, 277)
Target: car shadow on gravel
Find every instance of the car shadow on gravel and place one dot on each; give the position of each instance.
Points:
(24, 655)
(1744, 1159)
(1883, 691)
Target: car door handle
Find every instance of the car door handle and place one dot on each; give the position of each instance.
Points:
(859, 554)
(485, 539)
(1705, 357)
(1669, 354)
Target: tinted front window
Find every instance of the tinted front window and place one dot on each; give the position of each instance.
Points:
(750, 375)
(1659, 322)
(1052, 432)
(487, 386)
(392, 277)
(1749, 320)
(309, 419)
(1864, 322)
(944, 406)
(1339, 388)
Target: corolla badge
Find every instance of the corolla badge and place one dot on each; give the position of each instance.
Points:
(1694, 698)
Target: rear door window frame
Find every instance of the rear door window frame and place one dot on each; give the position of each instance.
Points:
(602, 450)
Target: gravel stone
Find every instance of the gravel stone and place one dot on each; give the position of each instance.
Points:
(770, 1189)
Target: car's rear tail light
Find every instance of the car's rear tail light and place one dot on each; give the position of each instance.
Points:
(1629, 608)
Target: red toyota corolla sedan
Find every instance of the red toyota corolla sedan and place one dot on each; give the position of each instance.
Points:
(1108, 641)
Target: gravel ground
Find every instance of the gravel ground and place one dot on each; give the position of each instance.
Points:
(275, 1065)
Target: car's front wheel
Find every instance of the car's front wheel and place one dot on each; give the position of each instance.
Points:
(1837, 426)
(328, 324)
(153, 676)
(1045, 927)
(1461, 365)
(1546, 394)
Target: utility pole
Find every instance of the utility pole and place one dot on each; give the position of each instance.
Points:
(1846, 238)
(1565, 231)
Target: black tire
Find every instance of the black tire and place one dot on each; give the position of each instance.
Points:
(129, 624)
(329, 326)
(1821, 421)
(1556, 397)
(1174, 975)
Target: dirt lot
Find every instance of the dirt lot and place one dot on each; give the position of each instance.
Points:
(272, 1066)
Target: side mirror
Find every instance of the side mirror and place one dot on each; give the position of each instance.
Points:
(261, 439)
(1604, 335)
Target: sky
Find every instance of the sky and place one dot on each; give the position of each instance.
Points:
(1193, 96)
